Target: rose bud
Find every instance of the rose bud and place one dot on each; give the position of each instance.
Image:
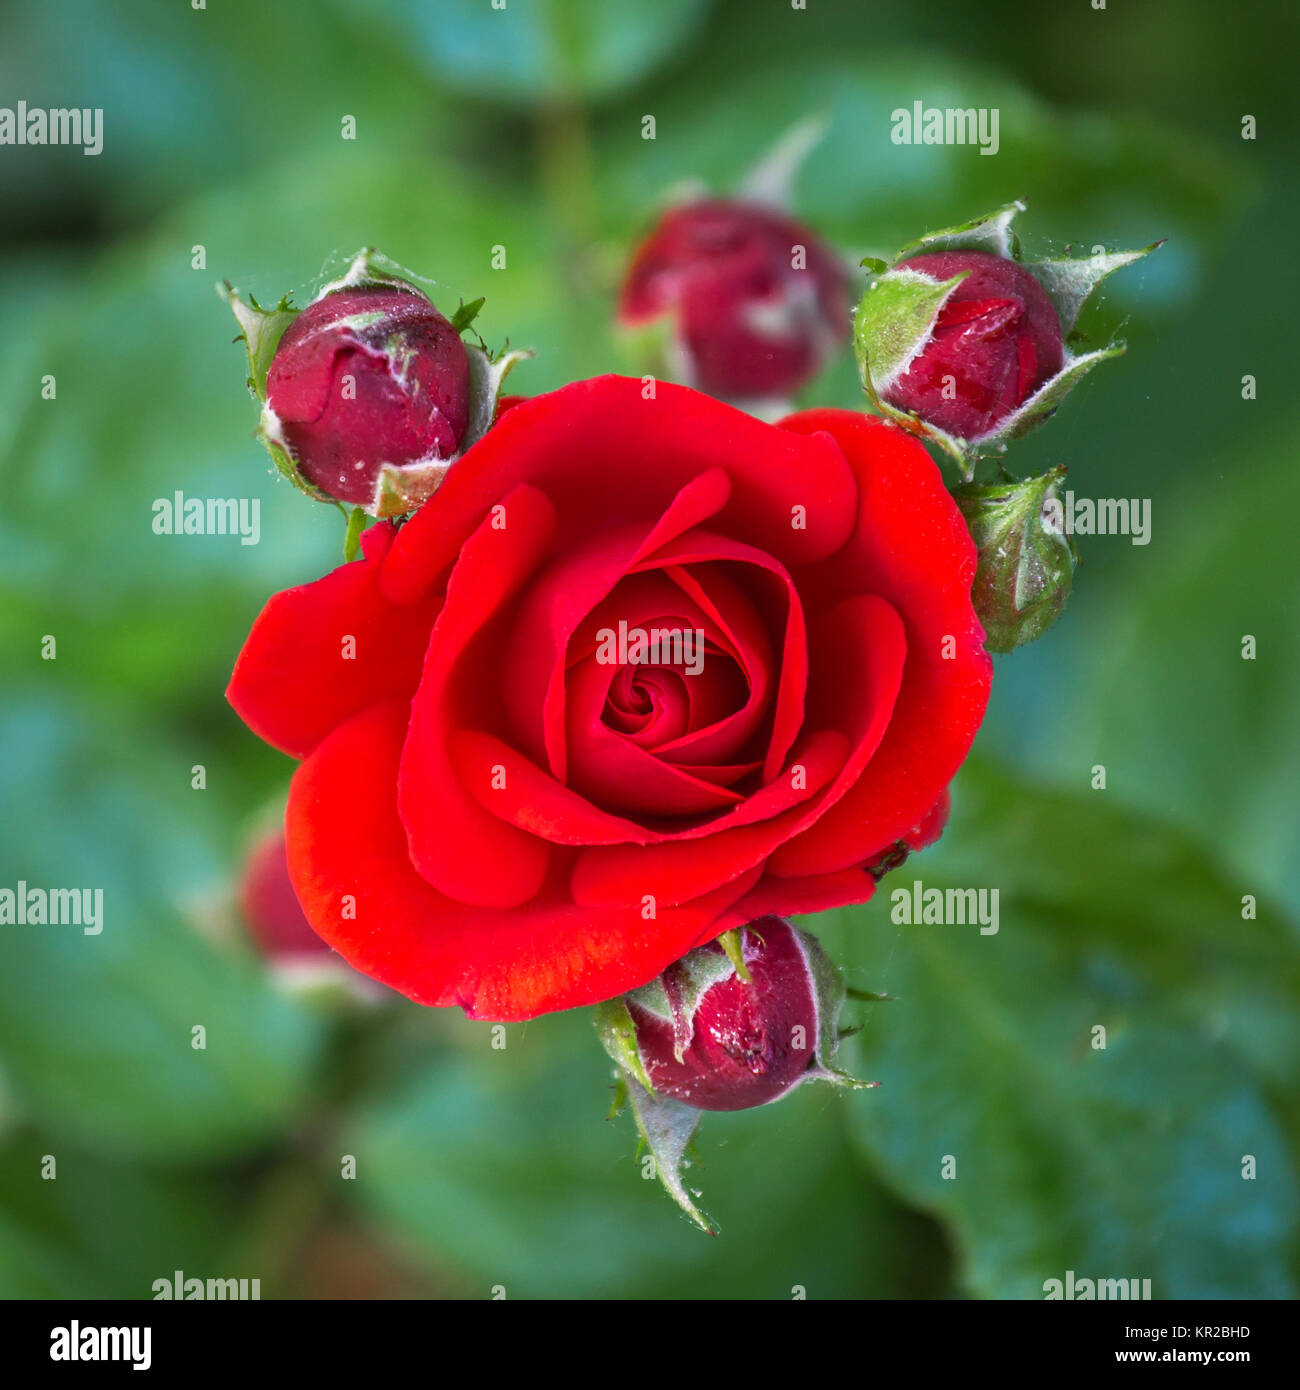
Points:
(369, 395)
(996, 340)
(737, 1023)
(1027, 560)
(270, 906)
(303, 963)
(969, 347)
(753, 302)
(364, 378)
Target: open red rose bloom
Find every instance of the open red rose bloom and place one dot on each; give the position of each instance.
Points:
(493, 813)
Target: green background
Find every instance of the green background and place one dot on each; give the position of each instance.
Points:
(479, 1167)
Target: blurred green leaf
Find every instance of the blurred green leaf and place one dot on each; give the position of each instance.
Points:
(1123, 1162)
(501, 1165)
(531, 50)
(95, 1030)
(99, 1229)
(1190, 730)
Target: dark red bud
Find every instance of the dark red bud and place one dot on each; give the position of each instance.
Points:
(996, 341)
(270, 906)
(750, 323)
(366, 377)
(745, 1043)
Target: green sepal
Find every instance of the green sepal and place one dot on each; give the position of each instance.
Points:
(1044, 402)
(955, 448)
(868, 996)
(1069, 282)
(829, 992)
(696, 972)
(836, 1076)
(1026, 562)
(618, 1104)
(730, 943)
(617, 1034)
(261, 331)
(487, 375)
(894, 320)
(992, 233)
(370, 267)
(467, 313)
(352, 538)
(268, 431)
(667, 1128)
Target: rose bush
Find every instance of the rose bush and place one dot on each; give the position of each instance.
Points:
(490, 814)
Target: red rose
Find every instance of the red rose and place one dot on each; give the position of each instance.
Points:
(494, 814)
(759, 301)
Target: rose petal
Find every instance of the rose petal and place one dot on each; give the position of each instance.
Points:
(909, 532)
(860, 645)
(609, 457)
(294, 680)
(349, 865)
(459, 847)
(565, 594)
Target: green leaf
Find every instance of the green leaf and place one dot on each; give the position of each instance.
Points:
(498, 1165)
(532, 50)
(1122, 1162)
(97, 1036)
(1158, 684)
(100, 1229)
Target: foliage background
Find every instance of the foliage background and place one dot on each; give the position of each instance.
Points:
(479, 1167)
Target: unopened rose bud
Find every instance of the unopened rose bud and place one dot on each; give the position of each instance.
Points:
(735, 1043)
(1026, 561)
(302, 962)
(364, 378)
(968, 346)
(740, 1022)
(996, 340)
(270, 906)
(752, 302)
(369, 395)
